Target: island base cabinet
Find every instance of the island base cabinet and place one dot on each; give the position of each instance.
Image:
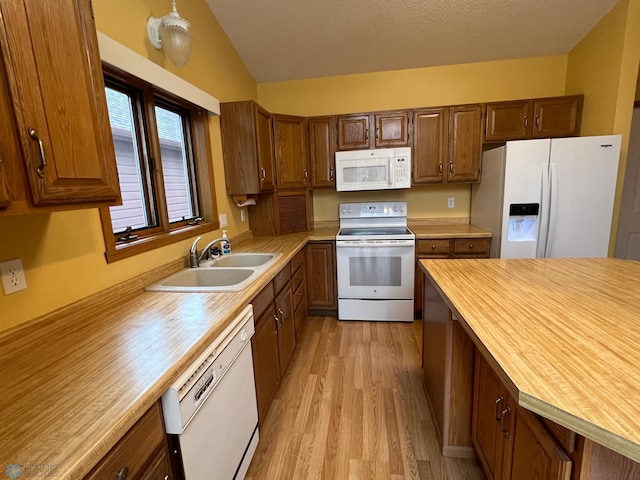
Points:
(447, 359)
(511, 442)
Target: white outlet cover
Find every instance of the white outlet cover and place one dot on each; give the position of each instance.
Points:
(223, 220)
(12, 274)
(451, 202)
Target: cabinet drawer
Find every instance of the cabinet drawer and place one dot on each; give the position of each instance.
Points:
(297, 261)
(134, 450)
(472, 247)
(438, 248)
(282, 278)
(262, 301)
(298, 295)
(298, 277)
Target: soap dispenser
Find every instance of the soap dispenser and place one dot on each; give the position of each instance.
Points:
(226, 244)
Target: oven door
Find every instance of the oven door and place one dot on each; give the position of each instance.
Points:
(376, 269)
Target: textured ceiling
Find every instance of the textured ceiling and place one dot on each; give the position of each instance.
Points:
(296, 39)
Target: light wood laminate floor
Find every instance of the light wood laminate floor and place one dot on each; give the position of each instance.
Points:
(352, 406)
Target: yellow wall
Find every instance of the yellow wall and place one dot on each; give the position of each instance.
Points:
(604, 66)
(63, 253)
(448, 85)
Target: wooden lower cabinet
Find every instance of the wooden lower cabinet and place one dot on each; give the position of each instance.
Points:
(511, 442)
(299, 288)
(445, 248)
(447, 359)
(286, 327)
(274, 340)
(142, 453)
(266, 362)
(321, 277)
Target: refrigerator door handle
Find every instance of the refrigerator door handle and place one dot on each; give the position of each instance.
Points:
(545, 194)
(552, 215)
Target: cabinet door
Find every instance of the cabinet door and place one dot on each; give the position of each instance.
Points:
(491, 418)
(57, 87)
(435, 248)
(535, 453)
(508, 121)
(266, 363)
(557, 117)
(321, 276)
(264, 148)
(286, 327)
(392, 129)
(429, 145)
(159, 468)
(465, 143)
(322, 149)
(290, 141)
(353, 132)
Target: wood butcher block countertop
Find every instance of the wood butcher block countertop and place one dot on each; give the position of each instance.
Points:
(563, 334)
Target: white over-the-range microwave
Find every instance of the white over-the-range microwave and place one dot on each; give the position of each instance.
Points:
(376, 169)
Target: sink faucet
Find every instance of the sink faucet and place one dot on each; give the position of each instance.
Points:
(194, 258)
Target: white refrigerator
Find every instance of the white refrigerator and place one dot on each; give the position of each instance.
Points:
(548, 198)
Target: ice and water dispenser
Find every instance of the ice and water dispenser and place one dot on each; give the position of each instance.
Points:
(523, 222)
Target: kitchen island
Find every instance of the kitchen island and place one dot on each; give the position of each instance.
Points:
(562, 335)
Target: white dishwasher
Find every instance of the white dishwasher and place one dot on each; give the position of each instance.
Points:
(212, 407)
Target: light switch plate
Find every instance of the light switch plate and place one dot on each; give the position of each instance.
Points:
(451, 202)
(223, 220)
(12, 273)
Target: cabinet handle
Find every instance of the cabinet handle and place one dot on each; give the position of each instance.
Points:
(499, 401)
(377, 133)
(366, 135)
(526, 122)
(264, 173)
(277, 323)
(43, 161)
(281, 313)
(537, 122)
(451, 168)
(123, 473)
(503, 414)
(305, 173)
(331, 174)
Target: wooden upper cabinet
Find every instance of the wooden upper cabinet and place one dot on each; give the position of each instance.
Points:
(557, 117)
(290, 142)
(508, 121)
(54, 74)
(533, 118)
(247, 148)
(322, 149)
(353, 131)
(430, 128)
(392, 129)
(465, 143)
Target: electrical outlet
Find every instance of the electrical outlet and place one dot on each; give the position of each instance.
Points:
(12, 274)
(223, 220)
(243, 215)
(451, 202)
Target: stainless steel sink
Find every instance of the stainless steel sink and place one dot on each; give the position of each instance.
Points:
(242, 260)
(205, 280)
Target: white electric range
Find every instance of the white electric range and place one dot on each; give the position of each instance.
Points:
(376, 262)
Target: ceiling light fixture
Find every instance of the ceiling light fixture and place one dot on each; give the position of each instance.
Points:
(171, 33)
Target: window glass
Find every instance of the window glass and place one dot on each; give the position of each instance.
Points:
(134, 209)
(175, 165)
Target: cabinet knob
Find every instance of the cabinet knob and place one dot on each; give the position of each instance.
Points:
(471, 245)
(433, 247)
(123, 473)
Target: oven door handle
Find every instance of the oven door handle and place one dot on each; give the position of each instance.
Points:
(375, 243)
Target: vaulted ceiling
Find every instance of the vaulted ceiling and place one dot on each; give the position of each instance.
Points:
(282, 40)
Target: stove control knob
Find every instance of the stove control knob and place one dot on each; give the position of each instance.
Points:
(401, 209)
(395, 209)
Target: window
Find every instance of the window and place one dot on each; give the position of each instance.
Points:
(162, 153)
